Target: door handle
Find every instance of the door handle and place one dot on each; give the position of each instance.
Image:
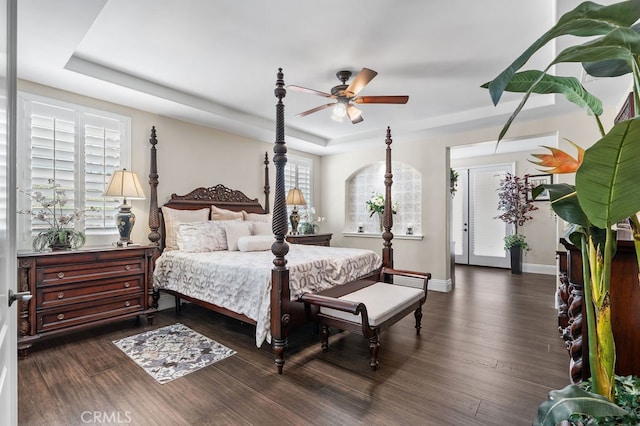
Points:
(24, 296)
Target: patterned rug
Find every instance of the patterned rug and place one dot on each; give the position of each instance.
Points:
(172, 351)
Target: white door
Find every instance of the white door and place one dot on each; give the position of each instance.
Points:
(8, 316)
(478, 236)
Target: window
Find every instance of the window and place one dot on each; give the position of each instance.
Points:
(78, 148)
(298, 173)
(406, 194)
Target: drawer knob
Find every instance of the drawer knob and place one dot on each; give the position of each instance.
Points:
(127, 285)
(127, 267)
(61, 295)
(60, 274)
(127, 303)
(60, 317)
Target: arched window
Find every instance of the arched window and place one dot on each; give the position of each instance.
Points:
(406, 194)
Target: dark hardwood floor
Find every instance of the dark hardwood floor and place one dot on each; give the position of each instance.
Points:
(488, 354)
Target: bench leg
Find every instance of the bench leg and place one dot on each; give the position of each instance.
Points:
(374, 345)
(325, 338)
(418, 315)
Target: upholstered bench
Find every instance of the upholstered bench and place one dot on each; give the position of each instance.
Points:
(368, 307)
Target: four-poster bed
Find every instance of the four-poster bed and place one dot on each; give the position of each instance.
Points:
(283, 285)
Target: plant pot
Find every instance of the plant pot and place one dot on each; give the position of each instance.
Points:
(516, 259)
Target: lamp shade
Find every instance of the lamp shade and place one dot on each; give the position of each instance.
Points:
(125, 184)
(295, 198)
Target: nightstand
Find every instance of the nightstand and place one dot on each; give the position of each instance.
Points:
(310, 239)
(78, 289)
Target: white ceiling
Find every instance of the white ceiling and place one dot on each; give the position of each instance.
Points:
(215, 62)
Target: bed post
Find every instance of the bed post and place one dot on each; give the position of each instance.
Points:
(387, 220)
(280, 298)
(267, 188)
(154, 216)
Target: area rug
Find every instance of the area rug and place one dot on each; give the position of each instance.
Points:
(173, 351)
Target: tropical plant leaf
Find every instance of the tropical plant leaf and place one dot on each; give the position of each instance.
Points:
(564, 203)
(609, 67)
(570, 87)
(573, 400)
(620, 44)
(607, 179)
(587, 19)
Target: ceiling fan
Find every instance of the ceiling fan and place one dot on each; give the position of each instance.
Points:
(346, 94)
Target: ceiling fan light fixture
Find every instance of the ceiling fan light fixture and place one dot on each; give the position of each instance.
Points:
(339, 112)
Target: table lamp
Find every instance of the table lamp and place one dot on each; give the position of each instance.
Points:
(125, 184)
(295, 199)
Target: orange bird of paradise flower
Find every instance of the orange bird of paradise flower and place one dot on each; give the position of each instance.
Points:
(558, 160)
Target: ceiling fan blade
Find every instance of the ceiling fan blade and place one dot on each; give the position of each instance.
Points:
(355, 115)
(381, 99)
(362, 79)
(310, 91)
(316, 109)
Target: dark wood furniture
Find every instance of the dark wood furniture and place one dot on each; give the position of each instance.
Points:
(396, 305)
(625, 312)
(310, 239)
(76, 289)
(285, 313)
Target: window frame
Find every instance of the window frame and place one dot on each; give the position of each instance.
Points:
(82, 116)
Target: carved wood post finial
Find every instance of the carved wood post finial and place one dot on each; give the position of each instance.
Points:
(154, 214)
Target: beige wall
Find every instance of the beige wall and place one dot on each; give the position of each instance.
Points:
(430, 156)
(189, 155)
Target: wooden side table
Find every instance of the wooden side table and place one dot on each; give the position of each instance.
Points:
(77, 289)
(310, 239)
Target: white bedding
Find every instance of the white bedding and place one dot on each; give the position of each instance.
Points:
(241, 281)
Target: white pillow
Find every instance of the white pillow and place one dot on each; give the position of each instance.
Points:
(202, 236)
(174, 217)
(235, 230)
(256, 217)
(224, 214)
(255, 243)
(261, 228)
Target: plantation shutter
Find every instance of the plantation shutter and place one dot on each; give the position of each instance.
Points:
(53, 152)
(101, 158)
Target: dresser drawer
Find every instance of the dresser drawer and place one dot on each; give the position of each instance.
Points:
(67, 294)
(83, 313)
(56, 275)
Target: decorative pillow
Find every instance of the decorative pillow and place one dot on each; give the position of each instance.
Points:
(224, 214)
(235, 230)
(261, 228)
(255, 243)
(257, 217)
(202, 236)
(174, 217)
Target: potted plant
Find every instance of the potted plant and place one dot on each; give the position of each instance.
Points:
(59, 235)
(515, 205)
(375, 205)
(606, 190)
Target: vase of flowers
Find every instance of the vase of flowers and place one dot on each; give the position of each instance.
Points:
(375, 205)
(308, 224)
(59, 235)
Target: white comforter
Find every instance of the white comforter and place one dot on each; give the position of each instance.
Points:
(241, 281)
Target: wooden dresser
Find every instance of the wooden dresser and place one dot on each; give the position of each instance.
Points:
(82, 288)
(625, 311)
(310, 239)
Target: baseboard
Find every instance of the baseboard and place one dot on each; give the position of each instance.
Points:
(443, 286)
(540, 269)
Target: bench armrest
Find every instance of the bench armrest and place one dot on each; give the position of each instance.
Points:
(425, 276)
(333, 303)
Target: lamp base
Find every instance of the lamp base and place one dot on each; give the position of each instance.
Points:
(294, 218)
(125, 220)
